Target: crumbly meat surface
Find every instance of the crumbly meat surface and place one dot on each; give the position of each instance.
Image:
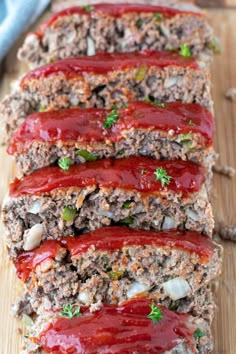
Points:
(117, 88)
(134, 143)
(101, 207)
(98, 276)
(76, 35)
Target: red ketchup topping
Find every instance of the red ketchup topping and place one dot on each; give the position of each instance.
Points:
(28, 261)
(114, 10)
(113, 238)
(102, 63)
(86, 125)
(133, 173)
(117, 329)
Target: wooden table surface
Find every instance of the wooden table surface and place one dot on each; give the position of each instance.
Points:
(224, 200)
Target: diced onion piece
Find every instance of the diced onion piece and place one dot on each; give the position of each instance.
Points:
(170, 81)
(192, 214)
(176, 288)
(90, 47)
(27, 320)
(33, 237)
(35, 207)
(168, 223)
(84, 297)
(136, 288)
(108, 214)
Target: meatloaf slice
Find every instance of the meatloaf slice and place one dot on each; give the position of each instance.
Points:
(138, 191)
(114, 264)
(118, 28)
(161, 130)
(128, 328)
(104, 81)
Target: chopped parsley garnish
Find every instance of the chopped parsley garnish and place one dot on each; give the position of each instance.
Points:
(161, 175)
(111, 118)
(198, 333)
(115, 275)
(68, 311)
(88, 156)
(143, 172)
(155, 315)
(191, 123)
(87, 8)
(127, 204)
(139, 24)
(185, 50)
(158, 17)
(64, 163)
(155, 103)
(68, 214)
(127, 221)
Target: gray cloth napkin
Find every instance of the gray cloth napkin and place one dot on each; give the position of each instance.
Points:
(15, 17)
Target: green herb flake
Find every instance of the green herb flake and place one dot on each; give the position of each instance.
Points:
(198, 333)
(158, 16)
(111, 118)
(143, 172)
(155, 103)
(68, 214)
(186, 139)
(68, 311)
(185, 51)
(88, 156)
(140, 73)
(64, 163)
(139, 24)
(127, 221)
(161, 175)
(115, 275)
(191, 123)
(87, 8)
(127, 204)
(155, 315)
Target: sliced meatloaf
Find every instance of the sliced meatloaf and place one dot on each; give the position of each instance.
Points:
(163, 131)
(115, 264)
(138, 326)
(137, 191)
(86, 30)
(105, 81)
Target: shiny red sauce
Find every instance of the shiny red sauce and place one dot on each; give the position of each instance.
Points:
(133, 173)
(86, 125)
(102, 63)
(114, 238)
(117, 329)
(28, 261)
(114, 10)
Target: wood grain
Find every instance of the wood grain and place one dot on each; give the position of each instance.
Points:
(224, 202)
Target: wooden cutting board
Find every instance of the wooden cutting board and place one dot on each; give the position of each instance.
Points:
(224, 200)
